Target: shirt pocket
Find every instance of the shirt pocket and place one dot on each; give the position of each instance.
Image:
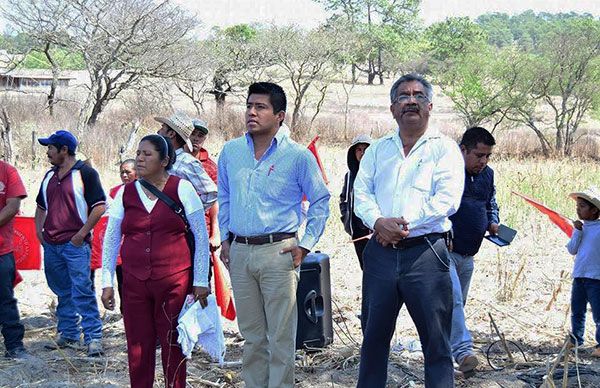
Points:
(423, 177)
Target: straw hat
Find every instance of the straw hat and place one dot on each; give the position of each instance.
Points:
(592, 195)
(180, 123)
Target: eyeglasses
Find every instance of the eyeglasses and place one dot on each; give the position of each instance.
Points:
(421, 98)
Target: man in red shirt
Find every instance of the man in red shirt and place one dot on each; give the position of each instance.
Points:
(12, 192)
(197, 138)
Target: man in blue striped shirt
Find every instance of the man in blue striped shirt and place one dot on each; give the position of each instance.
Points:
(262, 178)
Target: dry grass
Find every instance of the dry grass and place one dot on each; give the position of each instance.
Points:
(526, 285)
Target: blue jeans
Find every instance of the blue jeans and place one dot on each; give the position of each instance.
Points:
(464, 269)
(585, 290)
(460, 337)
(67, 269)
(416, 277)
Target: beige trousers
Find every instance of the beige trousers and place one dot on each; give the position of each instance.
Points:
(264, 286)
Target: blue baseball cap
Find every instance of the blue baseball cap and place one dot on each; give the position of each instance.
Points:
(60, 138)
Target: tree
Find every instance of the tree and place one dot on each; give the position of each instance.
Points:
(121, 42)
(238, 57)
(380, 26)
(485, 86)
(39, 24)
(307, 61)
(568, 75)
(453, 38)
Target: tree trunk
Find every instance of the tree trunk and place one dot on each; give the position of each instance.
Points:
(55, 71)
(379, 66)
(96, 110)
(7, 137)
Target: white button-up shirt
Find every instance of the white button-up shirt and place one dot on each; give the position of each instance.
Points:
(425, 187)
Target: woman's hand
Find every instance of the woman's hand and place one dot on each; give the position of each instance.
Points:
(200, 294)
(108, 298)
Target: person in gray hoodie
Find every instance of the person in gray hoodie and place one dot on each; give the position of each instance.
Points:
(352, 224)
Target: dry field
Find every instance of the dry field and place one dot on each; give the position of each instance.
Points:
(525, 286)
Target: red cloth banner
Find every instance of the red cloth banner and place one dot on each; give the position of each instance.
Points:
(312, 147)
(26, 246)
(97, 238)
(222, 291)
(565, 224)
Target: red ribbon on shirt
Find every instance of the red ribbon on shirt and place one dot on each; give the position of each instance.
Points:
(557, 219)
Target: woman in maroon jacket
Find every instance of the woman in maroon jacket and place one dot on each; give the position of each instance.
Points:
(158, 268)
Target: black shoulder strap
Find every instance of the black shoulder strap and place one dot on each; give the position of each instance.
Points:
(166, 199)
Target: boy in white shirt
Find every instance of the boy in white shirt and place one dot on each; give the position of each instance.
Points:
(585, 245)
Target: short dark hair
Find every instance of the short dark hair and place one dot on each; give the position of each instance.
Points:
(275, 92)
(163, 146)
(409, 78)
(476, 135)
(60, 146)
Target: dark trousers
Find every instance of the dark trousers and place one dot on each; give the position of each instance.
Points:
(150, 310)
(585, 291)
(12, 329)
(418, 278)
(359, 246)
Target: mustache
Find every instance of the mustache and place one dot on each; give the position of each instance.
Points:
(411, 108)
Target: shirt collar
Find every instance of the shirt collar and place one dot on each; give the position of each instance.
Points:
(282, 133)
(178, 151)
(429, 134)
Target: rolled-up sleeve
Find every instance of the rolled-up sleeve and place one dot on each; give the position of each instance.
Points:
(313, 186)
(223, 194)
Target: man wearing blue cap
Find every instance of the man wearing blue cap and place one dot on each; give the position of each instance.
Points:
(69, 204)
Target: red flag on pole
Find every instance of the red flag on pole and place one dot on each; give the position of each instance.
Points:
(97, 238)
(222, 292)
(313, 148)
(559, 220)
(26, 246)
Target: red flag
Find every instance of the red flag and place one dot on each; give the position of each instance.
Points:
(559, 220)
(18, 279)
(222, 292)
(312, 147)
(97, 238)
(26, 246)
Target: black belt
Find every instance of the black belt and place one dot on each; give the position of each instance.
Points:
(414, 241)
(264, 239)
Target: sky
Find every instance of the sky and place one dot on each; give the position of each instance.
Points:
(309, 14)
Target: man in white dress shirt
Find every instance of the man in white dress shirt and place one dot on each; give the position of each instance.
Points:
(408, 184)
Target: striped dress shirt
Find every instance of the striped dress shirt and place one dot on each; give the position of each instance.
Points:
(259, 197)
(189, 168)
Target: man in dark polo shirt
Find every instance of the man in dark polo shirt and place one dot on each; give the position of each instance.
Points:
(69, 204)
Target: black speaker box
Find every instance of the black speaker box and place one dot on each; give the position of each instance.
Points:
(315, 326)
